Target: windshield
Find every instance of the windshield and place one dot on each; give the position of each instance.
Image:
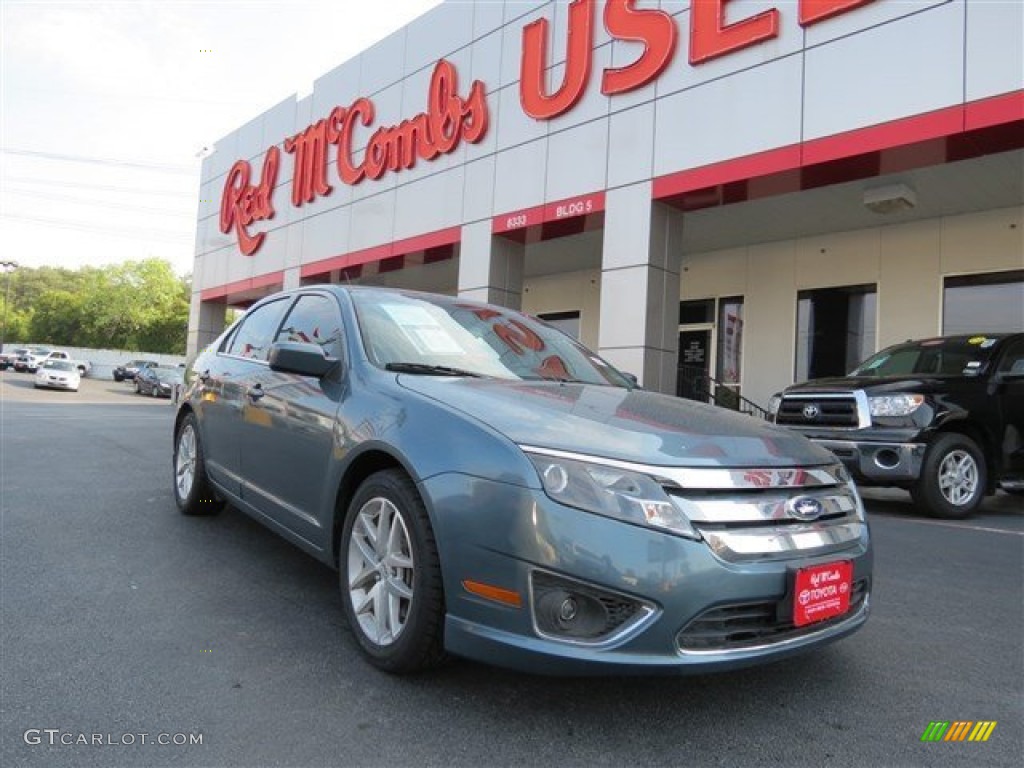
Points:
(166, 374)
(58, 365)
(960, 356)
(455, 337)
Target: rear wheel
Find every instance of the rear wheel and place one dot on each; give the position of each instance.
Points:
(390, 575)
(192, 490)
(953, 477)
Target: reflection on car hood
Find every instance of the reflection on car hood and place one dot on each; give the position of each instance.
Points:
(878, 384)
(616, 423)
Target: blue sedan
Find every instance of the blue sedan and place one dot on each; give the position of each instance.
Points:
(488, 488)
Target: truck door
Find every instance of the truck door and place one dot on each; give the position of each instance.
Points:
(1010, 391)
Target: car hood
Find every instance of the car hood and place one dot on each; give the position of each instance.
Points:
(628, 425)
(882, 385)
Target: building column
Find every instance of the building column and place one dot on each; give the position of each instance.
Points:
(490, 268)
(640, 267)
(292, 278)
(205, 323)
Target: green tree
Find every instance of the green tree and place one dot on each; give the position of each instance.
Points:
(136, 305)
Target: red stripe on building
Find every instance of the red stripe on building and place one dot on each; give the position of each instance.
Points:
(426, 242)
(241, 286)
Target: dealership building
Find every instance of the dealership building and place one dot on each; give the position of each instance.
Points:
(724, 194)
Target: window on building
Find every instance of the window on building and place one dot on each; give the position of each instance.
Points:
(314, 319)
(730, 340)
(567, 322)
(835, 330)
(254, 336)
(990, 303)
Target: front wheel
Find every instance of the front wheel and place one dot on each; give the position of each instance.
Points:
(953, 477)
(390, 575)
(192, 490)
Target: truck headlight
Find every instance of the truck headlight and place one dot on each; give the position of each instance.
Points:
(611, 492)
(894, 405)
(773, 404)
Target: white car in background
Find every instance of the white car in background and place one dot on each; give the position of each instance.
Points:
(58, 374)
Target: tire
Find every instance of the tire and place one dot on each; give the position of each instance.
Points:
(192, 490)
(400, 577)
(953, 478)
(118, 378)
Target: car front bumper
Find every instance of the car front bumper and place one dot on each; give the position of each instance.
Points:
(504, 535)
(51, 384)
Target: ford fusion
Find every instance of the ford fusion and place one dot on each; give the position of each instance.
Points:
(488, 488)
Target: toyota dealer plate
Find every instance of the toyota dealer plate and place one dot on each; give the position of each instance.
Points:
(822, 592)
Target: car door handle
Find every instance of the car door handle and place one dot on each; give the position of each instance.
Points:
(255, 392)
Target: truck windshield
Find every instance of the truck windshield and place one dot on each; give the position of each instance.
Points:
(960, 356)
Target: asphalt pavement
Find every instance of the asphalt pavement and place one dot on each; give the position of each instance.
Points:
(119, 617)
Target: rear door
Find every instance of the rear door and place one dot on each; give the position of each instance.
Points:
(288, 432)
(1010, 392)
(222, 402)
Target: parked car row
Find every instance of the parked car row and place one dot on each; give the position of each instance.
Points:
(30, 359)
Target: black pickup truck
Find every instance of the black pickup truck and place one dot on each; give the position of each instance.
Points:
(942, 418)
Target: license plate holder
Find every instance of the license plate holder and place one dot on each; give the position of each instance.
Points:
(822, 592)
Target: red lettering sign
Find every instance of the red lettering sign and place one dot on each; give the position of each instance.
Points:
(813, 11)
(537, 103)
(710, 36)
(655, 29)
(449, 120)
(242, 203)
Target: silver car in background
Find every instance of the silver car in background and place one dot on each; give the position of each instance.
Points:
(57, 374)
(489, 488)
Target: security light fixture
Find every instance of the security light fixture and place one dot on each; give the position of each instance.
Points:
(891, 198)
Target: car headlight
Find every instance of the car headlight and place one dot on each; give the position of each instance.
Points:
(773, 404)
(894, 405)
(611, 492)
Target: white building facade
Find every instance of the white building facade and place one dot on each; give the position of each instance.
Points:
(752, 192)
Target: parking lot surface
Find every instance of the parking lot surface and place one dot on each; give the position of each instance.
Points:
(120, 617)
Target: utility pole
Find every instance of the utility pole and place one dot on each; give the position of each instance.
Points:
(7, 267)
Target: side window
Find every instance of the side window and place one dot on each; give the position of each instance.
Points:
(1013, 358)
(254, 336)
(314, 320)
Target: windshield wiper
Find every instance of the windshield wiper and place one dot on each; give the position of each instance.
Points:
(431, 370)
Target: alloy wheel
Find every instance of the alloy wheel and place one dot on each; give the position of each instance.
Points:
(958, 477)
(185, 464)
(380, 571)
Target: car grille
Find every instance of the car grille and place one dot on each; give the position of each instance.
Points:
(817, 411)
(745, 625)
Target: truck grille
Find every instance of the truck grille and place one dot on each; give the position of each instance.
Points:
(819, 411)
(731, 627)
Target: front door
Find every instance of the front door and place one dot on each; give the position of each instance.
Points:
(696, 349)
(288, 426)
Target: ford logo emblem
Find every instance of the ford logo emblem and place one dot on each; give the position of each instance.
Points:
(804, 508)
(811, 411)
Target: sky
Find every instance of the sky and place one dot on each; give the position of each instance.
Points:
(105, 108)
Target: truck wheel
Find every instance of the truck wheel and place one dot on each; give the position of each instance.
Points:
(192, 490)
(953, 478)
(390, 575)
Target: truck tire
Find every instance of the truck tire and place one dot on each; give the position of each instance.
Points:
(953, 478)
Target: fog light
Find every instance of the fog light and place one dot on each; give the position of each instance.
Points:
(568, 610)
(565, 609)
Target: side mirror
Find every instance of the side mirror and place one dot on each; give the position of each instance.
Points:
(632, 379)
(301, 358)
